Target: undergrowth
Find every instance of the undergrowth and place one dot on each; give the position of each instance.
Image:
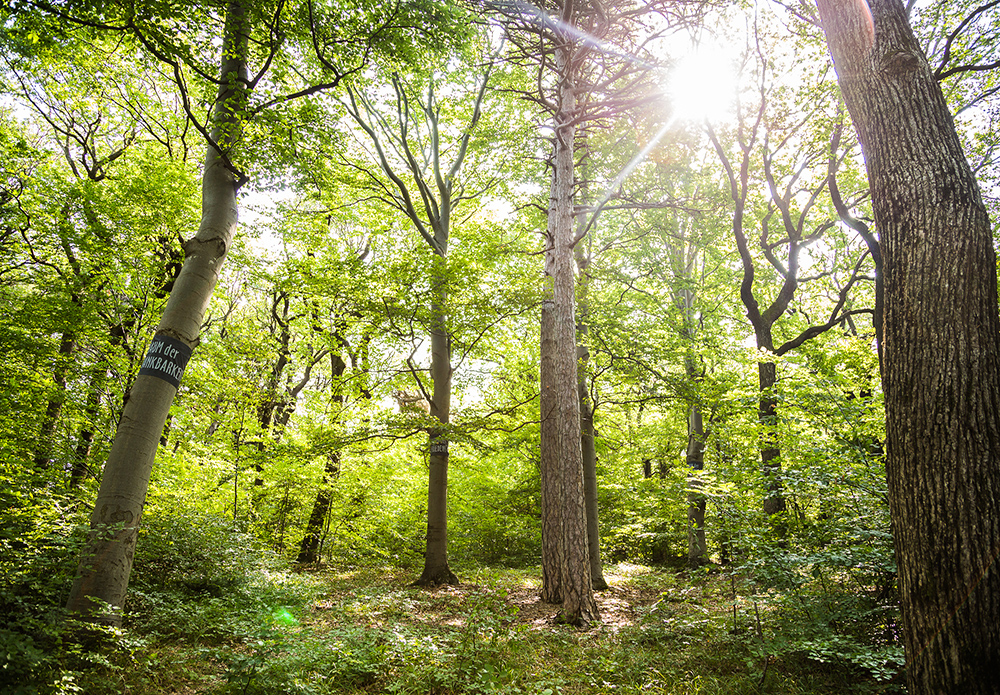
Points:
(210, 611)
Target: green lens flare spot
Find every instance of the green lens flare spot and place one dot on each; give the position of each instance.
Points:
(281, 615)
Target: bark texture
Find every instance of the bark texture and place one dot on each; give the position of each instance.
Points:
(98, 591)
(566, 571)
(941, 369)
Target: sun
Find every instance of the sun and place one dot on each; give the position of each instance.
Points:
(701, 85)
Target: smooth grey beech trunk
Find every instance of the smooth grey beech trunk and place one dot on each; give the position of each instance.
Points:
(431, 216)
(436, 569)
(941, 352)
(566, 570)
(98, 591)
(697, 546)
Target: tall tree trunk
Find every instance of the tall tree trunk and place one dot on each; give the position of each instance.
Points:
(43, 451)
(770, 451)
(85, 440)
(697, 547)
(310, 546)
(684, 258)
(566, 572)
(98, 591)
(272, 402)
(941, 371)
(587, 429)
(433, 222)
(436, 569)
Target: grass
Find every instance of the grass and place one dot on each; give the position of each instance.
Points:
(365, 630)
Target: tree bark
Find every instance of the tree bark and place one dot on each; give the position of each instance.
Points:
(587, 429)
(85, 441)
(941, 370)
(566, 571)
(697, 546)
(43, 452)
(770, 451)
(436, 569)
(98, 591)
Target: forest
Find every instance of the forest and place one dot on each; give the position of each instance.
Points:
(499, 347)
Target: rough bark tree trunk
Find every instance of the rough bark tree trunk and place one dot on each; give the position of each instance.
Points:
(98, 591)
(566, 572)
(941, 370)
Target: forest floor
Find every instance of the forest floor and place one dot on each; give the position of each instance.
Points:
(369, 631)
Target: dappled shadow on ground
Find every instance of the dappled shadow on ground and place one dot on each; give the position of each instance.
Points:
(394, 601)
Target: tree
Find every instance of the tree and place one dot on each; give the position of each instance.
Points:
(941, 352)
(98, 592)
(587, 407)
(566, 570)
(792, 218)
(88, 236)
(414, 178)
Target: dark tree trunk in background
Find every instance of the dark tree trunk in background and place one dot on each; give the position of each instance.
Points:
(429, 202)
(697, 546)
(85, 440)
(310, 546)
(770, 451)
(45, 444)
(587, 429)
(272, 402)
(941, 370)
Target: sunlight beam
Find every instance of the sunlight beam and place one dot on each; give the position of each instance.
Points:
(623, 174)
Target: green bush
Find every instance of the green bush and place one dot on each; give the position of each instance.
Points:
(194, 553)
(41, 535)
(195, 577)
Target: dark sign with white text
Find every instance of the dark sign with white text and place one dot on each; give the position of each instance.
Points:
(166, 360)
